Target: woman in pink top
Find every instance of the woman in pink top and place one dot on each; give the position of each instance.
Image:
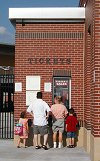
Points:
(59, 112)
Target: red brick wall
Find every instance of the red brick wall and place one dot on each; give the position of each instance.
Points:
(56, 47)
(92, 59)
(96, 119)
(88, 65)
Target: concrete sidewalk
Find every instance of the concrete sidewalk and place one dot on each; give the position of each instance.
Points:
(9, 152)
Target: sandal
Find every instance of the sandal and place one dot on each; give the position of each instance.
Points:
(72, 146)
(37, 147)
(69, 146)
(44, 147)
(25, 146)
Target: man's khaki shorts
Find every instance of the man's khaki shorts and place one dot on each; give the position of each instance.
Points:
(42, 130)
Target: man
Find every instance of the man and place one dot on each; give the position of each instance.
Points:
(40, 110)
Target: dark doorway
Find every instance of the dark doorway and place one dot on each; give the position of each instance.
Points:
(6, 106)
(61, 87)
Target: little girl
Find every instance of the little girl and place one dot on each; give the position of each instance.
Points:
(24, 121)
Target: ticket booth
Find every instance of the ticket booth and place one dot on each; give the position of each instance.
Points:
(62, 87)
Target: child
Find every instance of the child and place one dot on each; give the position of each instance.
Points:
(24, 121)
(71, 122)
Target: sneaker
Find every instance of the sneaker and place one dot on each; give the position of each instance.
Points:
(54, 146)
(59, 146)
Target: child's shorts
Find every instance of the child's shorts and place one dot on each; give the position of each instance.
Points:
(71, 135)
(58, 125)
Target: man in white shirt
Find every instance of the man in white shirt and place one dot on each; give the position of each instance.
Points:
(40, 110)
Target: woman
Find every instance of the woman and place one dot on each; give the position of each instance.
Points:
(59, 112)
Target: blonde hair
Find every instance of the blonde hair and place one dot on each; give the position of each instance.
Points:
(59, 99)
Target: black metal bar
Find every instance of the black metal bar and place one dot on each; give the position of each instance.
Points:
(2, 124)
(6, 105)
(7, 125)
(10, 125)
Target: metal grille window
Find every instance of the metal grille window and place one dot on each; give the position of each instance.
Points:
(6, 105)
(49, 35)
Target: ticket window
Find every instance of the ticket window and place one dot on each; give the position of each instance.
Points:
(62, 87)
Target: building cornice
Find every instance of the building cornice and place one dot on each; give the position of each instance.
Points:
(61, 13)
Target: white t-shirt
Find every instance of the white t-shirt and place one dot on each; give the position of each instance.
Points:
(39, 108)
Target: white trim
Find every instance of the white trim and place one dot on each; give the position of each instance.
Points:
(94, 76)
(47, 13)
(69, 93)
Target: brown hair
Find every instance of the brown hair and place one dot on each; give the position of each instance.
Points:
(71, 111)
(23, 114)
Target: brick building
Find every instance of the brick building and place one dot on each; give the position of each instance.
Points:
(57, 52)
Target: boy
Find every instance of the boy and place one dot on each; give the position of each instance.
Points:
(71, 122)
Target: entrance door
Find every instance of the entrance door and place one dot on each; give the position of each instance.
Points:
(62, 87)
(6, 106)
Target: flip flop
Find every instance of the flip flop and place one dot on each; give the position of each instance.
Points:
(37, 147)
(69, 146)
(72, 146)
(44, 147)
